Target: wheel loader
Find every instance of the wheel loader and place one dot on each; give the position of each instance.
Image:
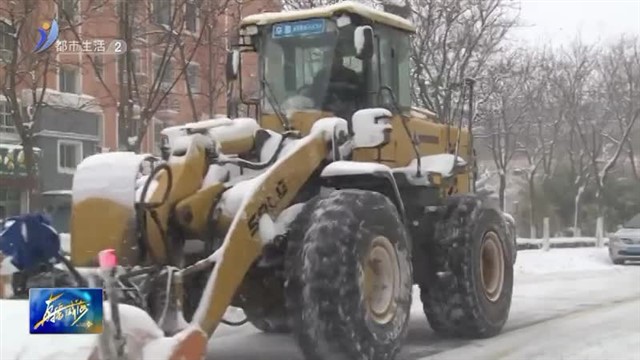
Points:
(317, 216)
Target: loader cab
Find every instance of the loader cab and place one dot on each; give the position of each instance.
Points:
(329, 61)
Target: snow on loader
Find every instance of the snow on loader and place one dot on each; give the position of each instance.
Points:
(316, 219)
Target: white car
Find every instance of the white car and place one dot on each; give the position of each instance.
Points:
(624, 244)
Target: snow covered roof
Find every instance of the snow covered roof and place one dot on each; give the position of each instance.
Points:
(328, 11)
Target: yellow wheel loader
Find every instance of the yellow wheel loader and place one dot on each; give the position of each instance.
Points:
(316, 216)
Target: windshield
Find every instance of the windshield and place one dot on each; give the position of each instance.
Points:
(304, 59)
(634, 223)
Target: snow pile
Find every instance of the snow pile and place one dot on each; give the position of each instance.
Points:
(344, 168)
(270, 146)
(240, 128)
(563, 260)
(108, 175)
(17, 343)
(269, 229)
(327, 127)
(440, 163)
(233, 198)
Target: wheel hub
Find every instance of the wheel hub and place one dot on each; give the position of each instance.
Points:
(381, 280)
(492, 266)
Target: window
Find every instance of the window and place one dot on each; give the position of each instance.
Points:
(161, 11)
(69, 155)
(69, 80)
(161, 63)
(98, 64)
(6, 118)
(191, 15)
(9, 202)
(7, 42)
(193, 71)
(67, 8)
(395, 62)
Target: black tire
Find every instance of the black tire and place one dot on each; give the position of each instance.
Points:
(453, 296)
(329, 242)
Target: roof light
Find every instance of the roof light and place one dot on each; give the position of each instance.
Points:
(343, 20)
(251, 30)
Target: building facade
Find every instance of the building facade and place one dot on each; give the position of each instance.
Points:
(81, 88)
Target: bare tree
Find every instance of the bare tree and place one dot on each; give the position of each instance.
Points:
(540, 130)
(22, 69)
(619, 71)
(571, 82)
(167, 33)
(454, 40)
(504, 111)
(589, 98)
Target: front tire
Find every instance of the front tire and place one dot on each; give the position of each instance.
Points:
(470, 281)
(349, 286)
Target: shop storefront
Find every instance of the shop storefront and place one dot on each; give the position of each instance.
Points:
(15, 183)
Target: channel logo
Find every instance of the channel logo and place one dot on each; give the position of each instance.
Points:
(48, 35)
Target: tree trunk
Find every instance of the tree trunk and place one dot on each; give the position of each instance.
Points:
(532, 211)
(632, 160)
(576, 211)
(503, 187)
(32, 175)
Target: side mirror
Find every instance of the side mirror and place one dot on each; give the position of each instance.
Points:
(233, 64)
(363, 42)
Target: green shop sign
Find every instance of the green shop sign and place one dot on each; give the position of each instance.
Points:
(12, 160)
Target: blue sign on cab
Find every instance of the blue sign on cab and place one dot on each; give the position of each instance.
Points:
(299, 28)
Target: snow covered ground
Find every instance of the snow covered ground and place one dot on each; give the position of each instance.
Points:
(569, 304)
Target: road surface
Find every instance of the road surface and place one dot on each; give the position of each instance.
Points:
(567, 304)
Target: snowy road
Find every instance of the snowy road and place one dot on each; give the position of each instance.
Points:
(568, 304)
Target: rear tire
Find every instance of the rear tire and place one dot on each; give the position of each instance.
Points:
(470, 281)
(349, 277)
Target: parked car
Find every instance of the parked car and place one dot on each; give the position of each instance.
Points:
(624, 244)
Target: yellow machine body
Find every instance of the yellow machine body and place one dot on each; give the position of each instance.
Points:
(182, 198)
